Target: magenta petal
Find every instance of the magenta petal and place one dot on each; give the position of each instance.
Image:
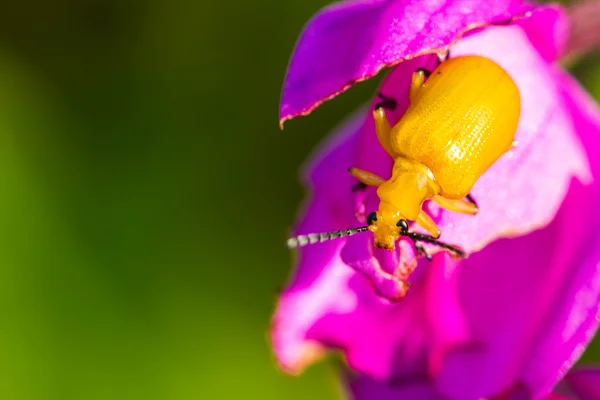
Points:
(365, 388)
(578, 311)
(581, 384)
(554, 396)
(548, 30)
(422, 388)
(353, 40)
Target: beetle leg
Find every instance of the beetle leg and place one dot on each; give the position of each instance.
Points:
(421, 251)
(423, 71)
(359, 187)
(457, 205)
(427, 223)
(366, 177)
(386, 102)
(418, 79)
(471, 199)
(384, 130)
(419, 237)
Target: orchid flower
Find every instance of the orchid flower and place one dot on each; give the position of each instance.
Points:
(516, 314)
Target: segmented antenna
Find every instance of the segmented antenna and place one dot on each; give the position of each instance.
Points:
(303, 240)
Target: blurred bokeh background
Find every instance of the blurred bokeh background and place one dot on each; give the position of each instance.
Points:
(145, 196)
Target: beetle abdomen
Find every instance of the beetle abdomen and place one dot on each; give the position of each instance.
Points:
(460, 122)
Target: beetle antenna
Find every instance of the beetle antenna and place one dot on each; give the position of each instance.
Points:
(303, 240)
(430, 239)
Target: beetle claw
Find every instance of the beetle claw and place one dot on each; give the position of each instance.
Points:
(359, 187)
(421, 252)
(471, 200)
(443, 56)
(386, 102)
(426, 73)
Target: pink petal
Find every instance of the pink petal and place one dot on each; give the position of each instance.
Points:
(554, 396)
(351, 41)
(579, 384)
(422, 388)
(582, 383)
(548, 30)
(364, 388)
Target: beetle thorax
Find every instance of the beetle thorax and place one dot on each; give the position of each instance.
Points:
(402, 195)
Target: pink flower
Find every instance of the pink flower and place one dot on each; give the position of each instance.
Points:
(519, 311)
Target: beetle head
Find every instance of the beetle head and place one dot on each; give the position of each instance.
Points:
(386, 228)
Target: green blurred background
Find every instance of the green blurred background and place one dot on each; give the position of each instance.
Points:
(145, 196)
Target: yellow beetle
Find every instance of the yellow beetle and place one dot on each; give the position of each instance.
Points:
(461, 119)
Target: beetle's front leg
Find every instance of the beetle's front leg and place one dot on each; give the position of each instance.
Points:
(418, 79)
(419, 237)
(471, 200)
(427, 223)
(421, 251)
(386, 102)
(383, 130)
(457, 205)
(366, 177)
(359, 187)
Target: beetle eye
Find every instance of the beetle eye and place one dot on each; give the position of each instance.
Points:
(403, 225)
(371, 218)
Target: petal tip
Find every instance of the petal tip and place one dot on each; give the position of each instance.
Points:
(303, 92)
(308, 353)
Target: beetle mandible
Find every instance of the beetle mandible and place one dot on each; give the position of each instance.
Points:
(462, 117)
